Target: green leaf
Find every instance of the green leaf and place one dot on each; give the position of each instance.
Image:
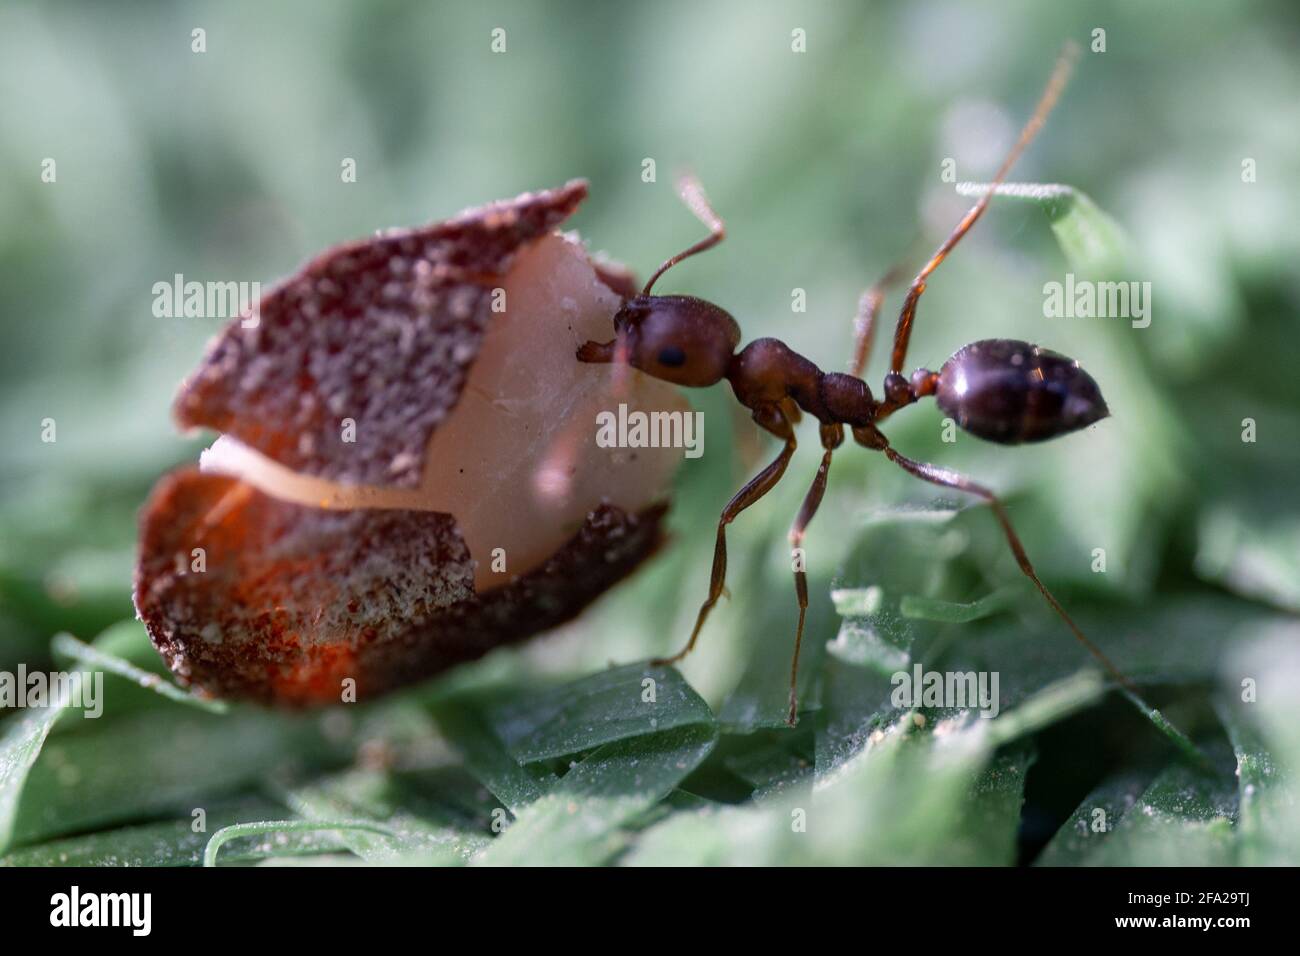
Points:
(261, 827)
(1166, 727)
(938, 794)
(486, 757)
(904, 556)
(110, 772)
(1053, 703)
(168, 843)
(1176, 640)
(1081, 835)
(69, 647)
(1268, 827)
(857, 602)
(421, 817)
(1183, 818)
(1091, 240)
(1259, 710)
(1253, 548)
(910, 797)
(953, 612)
(21, 740)
(581, 820)
(855, 704)
(960, 815)
(774, 761)
(708, 837)
(861, 642)
(610, 705)
(985, 831)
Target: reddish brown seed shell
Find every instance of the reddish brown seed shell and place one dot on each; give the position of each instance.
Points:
(381, 331)
(617, 277)
(292, 600)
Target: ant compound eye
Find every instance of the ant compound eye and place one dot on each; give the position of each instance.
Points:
(672, 357)
(321, 544)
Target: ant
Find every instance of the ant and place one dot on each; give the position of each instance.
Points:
(1001, 390)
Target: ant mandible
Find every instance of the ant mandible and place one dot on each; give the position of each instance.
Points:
(1001, 390)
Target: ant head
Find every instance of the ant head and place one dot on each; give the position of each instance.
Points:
(677, 338)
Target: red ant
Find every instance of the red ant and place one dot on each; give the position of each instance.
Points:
(1001, 390)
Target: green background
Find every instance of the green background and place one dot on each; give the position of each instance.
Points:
(826, 166)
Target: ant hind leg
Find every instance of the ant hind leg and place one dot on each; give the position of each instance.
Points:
(948, 478)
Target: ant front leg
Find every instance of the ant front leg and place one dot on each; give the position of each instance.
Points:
(948, 478)
(832, 438)
(774, 420)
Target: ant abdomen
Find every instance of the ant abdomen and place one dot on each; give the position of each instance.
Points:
(1008, 391)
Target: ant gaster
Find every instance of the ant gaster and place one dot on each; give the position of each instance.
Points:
(1001, 390)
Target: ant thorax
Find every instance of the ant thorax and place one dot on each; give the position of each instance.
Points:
(767, 372)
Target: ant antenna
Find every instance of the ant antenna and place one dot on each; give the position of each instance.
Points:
(692, 193)
(1055, 86)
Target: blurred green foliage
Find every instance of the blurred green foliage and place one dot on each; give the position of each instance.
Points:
(826, 166)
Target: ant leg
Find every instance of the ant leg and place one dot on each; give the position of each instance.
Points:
(692, 193)
(864, 326)
(1051, 93)
(774, 421)
(832, 437)
(950, 479)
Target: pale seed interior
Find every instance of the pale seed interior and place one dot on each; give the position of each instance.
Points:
(516, 462)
